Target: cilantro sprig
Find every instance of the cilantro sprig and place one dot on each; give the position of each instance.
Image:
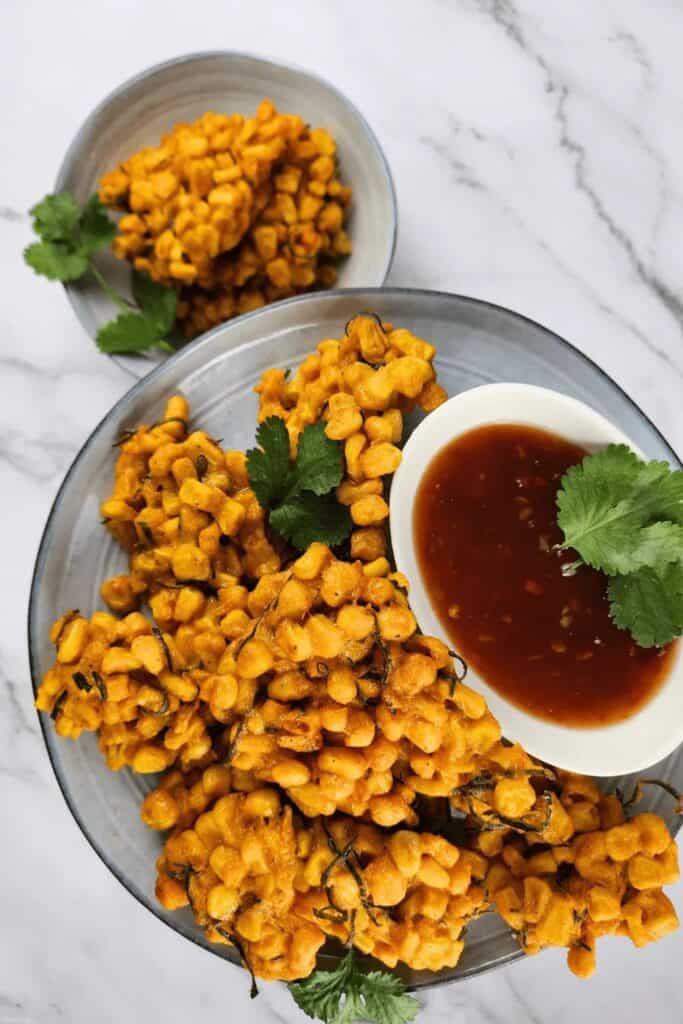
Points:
(347, 994)
(624, 517)
(138, 332)
(298, 495)
(69, 236)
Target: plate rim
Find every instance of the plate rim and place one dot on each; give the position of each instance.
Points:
(195, 56)
(264, 313)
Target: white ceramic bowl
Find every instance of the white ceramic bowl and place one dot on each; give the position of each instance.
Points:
(139, 111)
(639, 741)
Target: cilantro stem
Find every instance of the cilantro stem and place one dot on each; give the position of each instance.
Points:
(118, 300)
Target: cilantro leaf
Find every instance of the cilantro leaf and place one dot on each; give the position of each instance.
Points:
(320, 994)
(59, 219)
(386, 1000)
(649, 604)
(68, 236)
(56, 261)
(318, 462)
(129, 332)
(95, 228)
(157, 302)
(55, 218)
(298, 495)
(658, 544)
(660, 490)
(137, 332)
(346, 995)
(609, 501)
(268, 466)
(306, 517)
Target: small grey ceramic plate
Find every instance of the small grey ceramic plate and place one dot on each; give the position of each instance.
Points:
(477, 343)
(139, 111)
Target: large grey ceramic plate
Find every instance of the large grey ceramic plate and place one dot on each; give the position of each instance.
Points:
(139, 111)
(477, 343)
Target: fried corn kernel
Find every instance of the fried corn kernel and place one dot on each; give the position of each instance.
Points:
(236, 212)
(602, 882)
(362, 713)
(181, 797)
(401, 896)
(277, 884)
(117, 677)
(177, 527)
(237, 864)
(340, 386)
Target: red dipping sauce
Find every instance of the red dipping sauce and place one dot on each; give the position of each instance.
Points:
(485, 530)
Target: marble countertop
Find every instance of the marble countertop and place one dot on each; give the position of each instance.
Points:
(537, 157)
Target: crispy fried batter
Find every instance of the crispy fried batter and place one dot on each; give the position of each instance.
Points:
(236, 211)
(304, 718)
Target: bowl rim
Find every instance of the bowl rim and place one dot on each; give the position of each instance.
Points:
(37, 574)
(74, 148)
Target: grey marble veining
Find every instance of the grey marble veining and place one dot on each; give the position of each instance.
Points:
(537, 157)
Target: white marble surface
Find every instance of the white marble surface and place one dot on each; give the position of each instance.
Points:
(537, 156)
